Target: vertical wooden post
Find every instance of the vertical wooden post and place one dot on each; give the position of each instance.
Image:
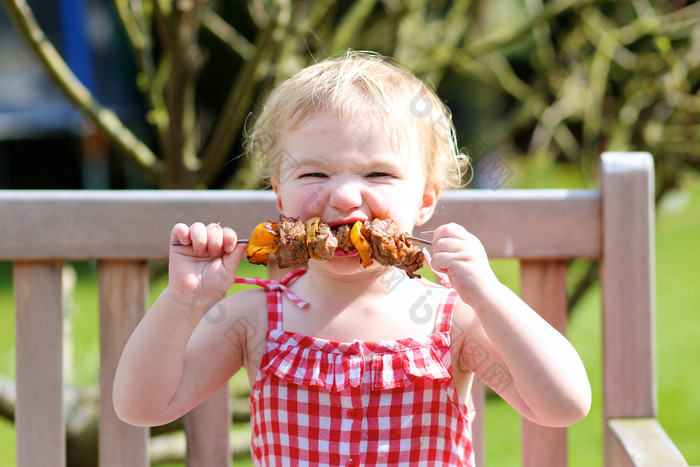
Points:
(123, 289)
(627, 290)
(208, 427)
(39, 417)
(543, 287)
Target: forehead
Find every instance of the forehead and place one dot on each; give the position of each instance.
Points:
(356, 140)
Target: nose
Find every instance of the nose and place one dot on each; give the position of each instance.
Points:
(346, 196)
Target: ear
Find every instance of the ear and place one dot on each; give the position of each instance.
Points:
(431, 193)
(276, 189)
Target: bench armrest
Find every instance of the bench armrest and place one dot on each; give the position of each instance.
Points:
(644, 443)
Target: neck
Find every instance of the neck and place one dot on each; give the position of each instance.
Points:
(341, 289)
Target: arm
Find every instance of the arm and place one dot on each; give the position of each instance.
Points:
(174, 359)
(507, 344)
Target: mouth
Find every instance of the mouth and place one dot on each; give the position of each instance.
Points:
(348, 221)
(340, 253)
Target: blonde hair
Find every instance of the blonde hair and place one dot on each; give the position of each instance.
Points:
(352, 85)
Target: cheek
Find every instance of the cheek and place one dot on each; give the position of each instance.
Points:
(305, 203)
(404, 204)
(408, 196)
(313, 203)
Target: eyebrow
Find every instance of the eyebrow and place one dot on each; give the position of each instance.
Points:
(311, 163)
(308, 161)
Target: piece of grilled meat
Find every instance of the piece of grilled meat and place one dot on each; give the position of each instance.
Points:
(392, 248)
(292, 249)
(342, 233)
(320, 241)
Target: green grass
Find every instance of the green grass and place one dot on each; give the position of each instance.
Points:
(678, 298)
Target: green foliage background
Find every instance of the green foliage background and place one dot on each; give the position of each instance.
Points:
(561, 80)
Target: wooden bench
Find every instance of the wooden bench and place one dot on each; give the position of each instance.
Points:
(543, 229)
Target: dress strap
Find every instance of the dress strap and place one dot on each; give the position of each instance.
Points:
(443, 320)
(274, 295)
(275, 286)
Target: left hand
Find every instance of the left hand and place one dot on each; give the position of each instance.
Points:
(462, 257)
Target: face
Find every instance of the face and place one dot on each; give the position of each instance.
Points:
(348, 171)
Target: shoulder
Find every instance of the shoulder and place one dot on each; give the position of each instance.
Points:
(235, 328)
(235, 319)
(421, 293)
(429, 303)
(424, 287)
(243, 311)
(244, 299)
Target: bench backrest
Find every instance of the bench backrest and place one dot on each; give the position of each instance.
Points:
(543, 229)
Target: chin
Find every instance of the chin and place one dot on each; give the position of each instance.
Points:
(343, 264)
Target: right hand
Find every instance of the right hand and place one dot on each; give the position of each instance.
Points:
(204, 267)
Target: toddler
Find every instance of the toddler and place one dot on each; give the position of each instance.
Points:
(351, 373)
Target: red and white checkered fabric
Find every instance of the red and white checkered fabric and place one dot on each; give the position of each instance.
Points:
(320, 402)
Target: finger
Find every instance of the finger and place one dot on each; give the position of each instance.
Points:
(198, 238)
(450, 245)
(180, 233)
(451, 230)
(233, 259)
(215, 239)
(440, 261)
(230, 239)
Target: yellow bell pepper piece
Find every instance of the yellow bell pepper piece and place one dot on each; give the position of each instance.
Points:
(263, 242)
(361, 243)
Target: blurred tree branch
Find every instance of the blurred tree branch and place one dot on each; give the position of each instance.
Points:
(574, 77)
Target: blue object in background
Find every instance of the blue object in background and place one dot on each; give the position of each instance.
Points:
(76, 45)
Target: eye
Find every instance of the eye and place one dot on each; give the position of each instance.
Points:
(379, 174)
(313, 175)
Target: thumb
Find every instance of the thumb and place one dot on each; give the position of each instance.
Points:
(233, 259)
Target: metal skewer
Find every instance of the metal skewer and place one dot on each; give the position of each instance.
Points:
(242, 240)
(415, 239)
(420, 240)
(245, 240)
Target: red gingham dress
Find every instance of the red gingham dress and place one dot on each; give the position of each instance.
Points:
(320, 402)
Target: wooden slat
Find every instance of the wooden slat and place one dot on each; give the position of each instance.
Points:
(136, 224)
(117, 224)
(39, 417)
(208, 427)
(123, 290)
(526, 224)
(543, 287)
(628, 289)
(642, 442)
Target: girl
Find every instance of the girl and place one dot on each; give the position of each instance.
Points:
(349, 373)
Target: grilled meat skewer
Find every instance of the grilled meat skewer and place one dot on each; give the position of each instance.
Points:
(294, 242)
